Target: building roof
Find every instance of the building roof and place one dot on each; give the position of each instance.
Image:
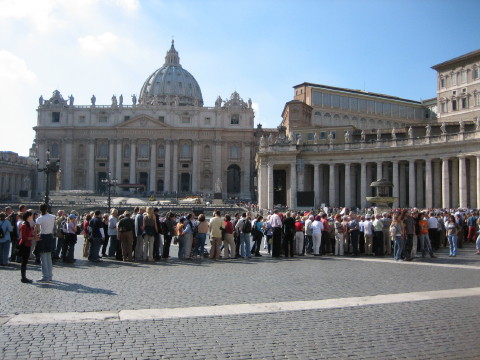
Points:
(468, 56)
(357, 92)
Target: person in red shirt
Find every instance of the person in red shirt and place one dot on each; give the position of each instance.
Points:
(27, 235)
(299, 236)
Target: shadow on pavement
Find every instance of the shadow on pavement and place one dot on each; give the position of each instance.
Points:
(73, 287)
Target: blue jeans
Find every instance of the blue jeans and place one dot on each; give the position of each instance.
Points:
(95, 245)
(46, 261)
(425, 244)
(4, 251)
(452, 240)
(113, 245)
(61, 248)
(397, 248)
(200, 244)
(245, 245)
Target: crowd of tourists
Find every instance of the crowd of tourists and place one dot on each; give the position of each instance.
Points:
(146, 235)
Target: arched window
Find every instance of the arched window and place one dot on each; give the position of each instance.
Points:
(234, 152)
(207, 153)
(143, 153)
(160, 185)
(102, 150)
(81, 151)
(185, 150)
(161, 152)
(54, 151)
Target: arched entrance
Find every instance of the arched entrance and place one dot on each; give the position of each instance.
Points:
(233, 179)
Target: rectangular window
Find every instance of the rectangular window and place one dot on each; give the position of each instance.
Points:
(207, 121)
(126, 164)
(362, 105)
(454, 105)
(464, 103)
(371, 106)
(55, 117)
(185, 166)
(102, 118)
(477, 99)
(126, 117)
(235, 119)
(317, 98)
(160, 165)
(309, 136)
(185, 120)
(378, 108)
(322, 135)
(387, 109)
(410, 112)
(161, 119)
(334, 135)
(444, 107)
(454, 79)
(327, 100)
(102, 164)
(442, 82)
(464, 76)
(402, 111)
(81, 119)
(395, 110)
(345, 103)
(336, 101)
(354, 104)
(476, 73)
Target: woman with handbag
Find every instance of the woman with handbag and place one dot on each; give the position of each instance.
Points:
(149, 230)
(27, 235)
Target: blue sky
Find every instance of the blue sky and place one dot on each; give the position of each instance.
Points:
(258, 48)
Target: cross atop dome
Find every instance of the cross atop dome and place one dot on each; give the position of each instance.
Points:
(172, 57)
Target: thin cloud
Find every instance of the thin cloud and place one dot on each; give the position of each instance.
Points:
(99, 44)
(14, 68)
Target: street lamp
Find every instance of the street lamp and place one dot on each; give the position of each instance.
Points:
(49, 168)
(109, 182)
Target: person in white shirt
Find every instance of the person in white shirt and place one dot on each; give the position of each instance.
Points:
(368, 231)
(317, 228)
(45, 225)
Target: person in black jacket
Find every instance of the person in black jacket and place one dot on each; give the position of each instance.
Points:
(289, 234)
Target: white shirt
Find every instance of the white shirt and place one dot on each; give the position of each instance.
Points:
(317, 227)
(368, 227)
(46, 223)
(432, 222)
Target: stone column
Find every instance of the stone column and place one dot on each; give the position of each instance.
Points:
(455, 187)
(293, 185)
(217, 165)
(316, 184)
(363, 185)
(472, 191)
(270, 185)
(379, 170)
(402, 184)
(411, 184)
(369, 179)
(67, 170)
(396, 183)
(118, 159)
(133, 162)
(478, 181)
(428, 184)
(153, 166)
(246, 170)
(91, 166)
(195, 157)
(111, 157)
(40, 178)
(175, 166)
(348, 188)
(166, 167)
(419, 185)
(263, 185)
(331, 186)
(437, 184)
(445, 184)
(462, 180)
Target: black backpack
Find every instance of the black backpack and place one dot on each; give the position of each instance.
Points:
(246, 226)
(2, 234)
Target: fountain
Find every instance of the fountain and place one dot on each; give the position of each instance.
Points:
(382, 201)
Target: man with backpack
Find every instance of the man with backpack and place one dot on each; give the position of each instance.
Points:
(244, 228)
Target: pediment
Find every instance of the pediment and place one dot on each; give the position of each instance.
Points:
(143, 122)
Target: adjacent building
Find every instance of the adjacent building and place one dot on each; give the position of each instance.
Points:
(333, 142)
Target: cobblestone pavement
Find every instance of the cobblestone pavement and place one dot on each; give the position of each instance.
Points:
(429, 329)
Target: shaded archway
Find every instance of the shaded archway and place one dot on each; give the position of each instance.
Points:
(233, 179)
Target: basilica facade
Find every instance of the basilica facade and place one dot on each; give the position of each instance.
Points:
(334, 142)
(165, 141)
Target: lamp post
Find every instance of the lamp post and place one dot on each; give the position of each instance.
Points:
(49, 168)
(109, 182)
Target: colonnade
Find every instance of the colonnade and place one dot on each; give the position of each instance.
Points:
(429, 182)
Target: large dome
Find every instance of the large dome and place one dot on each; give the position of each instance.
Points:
(171, 84)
